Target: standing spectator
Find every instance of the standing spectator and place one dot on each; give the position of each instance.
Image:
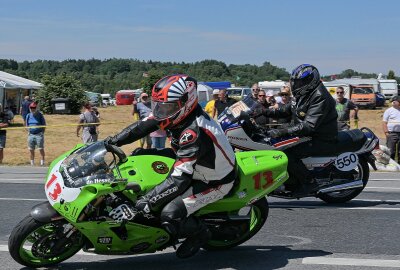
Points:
(135, 113)
(284, 89)
(391, 127)
(158, 139)
(345, 108)
(3, 124)
(285, 98)
(254, 91)
(89, 132)
(261, 103)
(24, 110)
(35, 134)
(210, 105)
(144, 110)
(222, 102)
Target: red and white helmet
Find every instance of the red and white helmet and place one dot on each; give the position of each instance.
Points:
(173, 98)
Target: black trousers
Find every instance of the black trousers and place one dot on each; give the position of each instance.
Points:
(298, 173)
(393, 143)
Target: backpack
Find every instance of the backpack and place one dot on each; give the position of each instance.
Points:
(92, 128)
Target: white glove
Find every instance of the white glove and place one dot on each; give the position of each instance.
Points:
(123, 212)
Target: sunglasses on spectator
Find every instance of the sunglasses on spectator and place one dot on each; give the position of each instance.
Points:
(256, 89)
(261, 95)
(339, 92)
(284, 95)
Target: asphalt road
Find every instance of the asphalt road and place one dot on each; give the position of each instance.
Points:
(301, 234)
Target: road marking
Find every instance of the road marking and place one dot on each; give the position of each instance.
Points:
(351, 262)
(21, 199)
(370, 208)
(4, 248)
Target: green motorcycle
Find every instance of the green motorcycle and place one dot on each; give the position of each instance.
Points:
(83, 185)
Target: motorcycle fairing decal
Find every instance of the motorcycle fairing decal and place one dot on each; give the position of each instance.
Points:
(56, 190)
(318, 162)
(286, 142)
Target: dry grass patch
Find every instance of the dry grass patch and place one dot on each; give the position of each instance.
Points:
(113, 119)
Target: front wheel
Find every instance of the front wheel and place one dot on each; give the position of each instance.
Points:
(234, 232)
(347, 195)
(38, 244)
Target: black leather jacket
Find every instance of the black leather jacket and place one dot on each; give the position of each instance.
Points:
(314, 114)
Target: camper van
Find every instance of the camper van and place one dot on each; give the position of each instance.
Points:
(274, 86)
(126, 97)
(388, 88)
(106, 99)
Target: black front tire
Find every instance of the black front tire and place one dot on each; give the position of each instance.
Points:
(30, 233)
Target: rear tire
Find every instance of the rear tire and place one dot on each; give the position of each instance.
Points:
(28, 243)
(258, 215)
(347, 195)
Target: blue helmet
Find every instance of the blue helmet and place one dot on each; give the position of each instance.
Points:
(304, 78)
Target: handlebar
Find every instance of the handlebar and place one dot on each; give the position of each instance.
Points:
(117, 151)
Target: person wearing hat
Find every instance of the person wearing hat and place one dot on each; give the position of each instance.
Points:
(209, 108)
(3, 133)
(35, 134)
(24, 109)
(391, 128)
(284, 97)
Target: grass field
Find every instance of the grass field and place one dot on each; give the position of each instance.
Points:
(113, 119)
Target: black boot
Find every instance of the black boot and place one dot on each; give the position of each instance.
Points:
(197, 235)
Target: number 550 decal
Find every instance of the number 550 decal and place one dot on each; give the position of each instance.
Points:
(346, 161)
(263, 180)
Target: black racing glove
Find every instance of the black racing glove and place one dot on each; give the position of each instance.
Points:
(276, 133)
(110, 140)
(257, 112)
(123, 212)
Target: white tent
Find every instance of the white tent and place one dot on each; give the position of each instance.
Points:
(13, 88)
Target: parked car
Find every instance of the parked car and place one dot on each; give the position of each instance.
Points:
(380, 99)
(238, 92)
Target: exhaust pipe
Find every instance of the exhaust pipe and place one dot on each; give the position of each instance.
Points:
(345, 186)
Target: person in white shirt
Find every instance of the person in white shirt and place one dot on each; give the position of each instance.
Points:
(391, 128)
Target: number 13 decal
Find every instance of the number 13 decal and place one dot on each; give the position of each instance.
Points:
(263, 180)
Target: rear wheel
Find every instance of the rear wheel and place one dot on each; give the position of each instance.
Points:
(235, 231)
(37, 244)
(347, 195)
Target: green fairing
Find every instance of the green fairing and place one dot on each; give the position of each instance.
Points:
(260, 172)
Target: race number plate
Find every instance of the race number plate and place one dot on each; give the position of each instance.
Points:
(346, 161)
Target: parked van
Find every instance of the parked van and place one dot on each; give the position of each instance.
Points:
(106, 99)
(238, 93)
(363, 96)
(274, 86)
(388, 88)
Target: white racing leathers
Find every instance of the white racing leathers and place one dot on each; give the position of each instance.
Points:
(204, 170)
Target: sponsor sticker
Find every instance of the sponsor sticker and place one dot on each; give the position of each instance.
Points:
(160, 167)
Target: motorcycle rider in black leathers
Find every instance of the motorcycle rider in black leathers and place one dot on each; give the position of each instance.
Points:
(204, 170)
(315, 116)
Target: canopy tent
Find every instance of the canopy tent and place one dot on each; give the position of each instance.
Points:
(13, 88)
(10, 81)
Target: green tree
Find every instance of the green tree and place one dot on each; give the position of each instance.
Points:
(61, 86)
(391, 75)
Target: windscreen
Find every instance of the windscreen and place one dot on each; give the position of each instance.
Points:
(92, 160)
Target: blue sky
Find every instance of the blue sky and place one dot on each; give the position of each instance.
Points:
(332, 35)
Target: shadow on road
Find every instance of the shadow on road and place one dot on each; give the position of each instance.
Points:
(246, 257)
